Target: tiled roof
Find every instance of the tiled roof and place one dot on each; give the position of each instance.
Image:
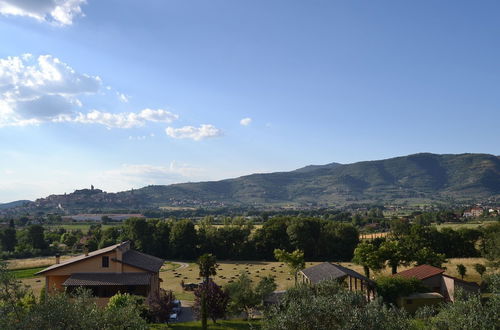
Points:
(103, 279)
(328, 271)
(81, 257)
(142, 260)
(421, 272)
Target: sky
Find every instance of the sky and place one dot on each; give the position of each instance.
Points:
(122, 94)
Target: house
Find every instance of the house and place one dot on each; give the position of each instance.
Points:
(106, 272)
(416, 300)
(351, 279)
(473, 212)
(437, 281)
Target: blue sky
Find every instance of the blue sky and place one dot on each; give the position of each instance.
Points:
(122, 94)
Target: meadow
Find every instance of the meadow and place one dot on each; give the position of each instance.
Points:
(228, 271)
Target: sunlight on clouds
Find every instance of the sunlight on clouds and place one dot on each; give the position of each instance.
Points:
(44, 89)
(58, 12)
(39, 89)
(125, 120)
(194, 133)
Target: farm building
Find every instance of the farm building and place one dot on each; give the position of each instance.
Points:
(437, 281)
(353, 280)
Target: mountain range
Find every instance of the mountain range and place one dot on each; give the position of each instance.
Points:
(422, 177)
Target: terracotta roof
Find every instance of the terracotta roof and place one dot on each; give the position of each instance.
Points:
(329, 271)
(103, 279)
(81, 257)
(421, 272)
(142, 260)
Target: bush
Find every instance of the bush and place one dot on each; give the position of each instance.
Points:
(390, 288)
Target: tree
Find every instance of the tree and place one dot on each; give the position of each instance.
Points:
(243, 297)
(393, 253)
(294, 260)
(183, 239)
(208, 267)
(161, 306)
(329, 306)
(8, 239)
(429, 257)
(217, 300)
(265, 287)
(462, 270)
(480, 269)
(392, 287)
(35, 237)
(367, 255)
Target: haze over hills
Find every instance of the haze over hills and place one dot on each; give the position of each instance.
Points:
(414, 178)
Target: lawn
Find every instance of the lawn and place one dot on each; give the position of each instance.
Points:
(221, 324)
(26, 273)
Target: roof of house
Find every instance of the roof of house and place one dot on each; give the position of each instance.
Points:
(421, 272)
(99, 279)
(142, 260)
(81, 257)
(328, 271)
(130, 257)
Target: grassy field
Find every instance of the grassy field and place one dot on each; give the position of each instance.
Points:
(26, 273)
(79, 226)
(456, 226)
(172, 273)
(228, 271)
(33, 262)
(221, 324)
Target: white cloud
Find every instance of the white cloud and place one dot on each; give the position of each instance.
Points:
(124, 119)
(58, 12)
(44, 89)
(33, 90)
(246, 121)
(194, 133)
(122, 97)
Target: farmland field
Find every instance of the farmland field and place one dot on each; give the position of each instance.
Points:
(173, 272)
(80, 226)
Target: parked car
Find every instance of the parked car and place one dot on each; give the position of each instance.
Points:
(173, 317)
(177, 307)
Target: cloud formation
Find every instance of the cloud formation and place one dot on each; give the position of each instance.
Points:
(33, 90)
(194, 133)
(45, 89)
(58, 12)
(246, 121)
(124, 119)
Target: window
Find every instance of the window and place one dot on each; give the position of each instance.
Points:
(409, 301)
(105, 262)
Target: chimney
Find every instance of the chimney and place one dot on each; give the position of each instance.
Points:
(121, 249)
(86, 250)
(58, 259)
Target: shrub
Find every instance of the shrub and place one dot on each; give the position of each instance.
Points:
(392, 287)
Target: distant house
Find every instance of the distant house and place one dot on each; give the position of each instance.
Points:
(437, 281)
(106, 272)
(351, 279)
(473, 212)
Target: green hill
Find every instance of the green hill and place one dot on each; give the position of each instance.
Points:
(414, 179)
(420, 176)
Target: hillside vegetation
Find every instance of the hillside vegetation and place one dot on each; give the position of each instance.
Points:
(418, 177)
